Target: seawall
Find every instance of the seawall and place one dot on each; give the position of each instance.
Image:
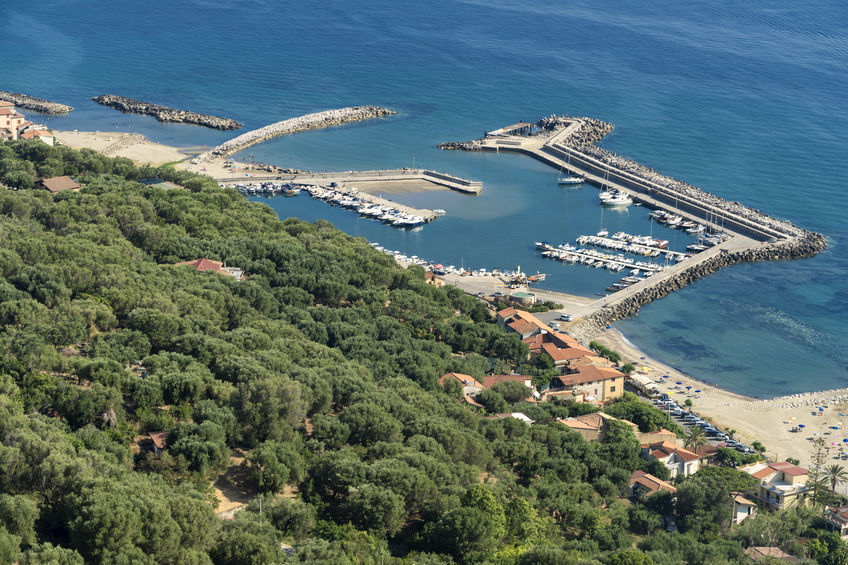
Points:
(315, 120)
(165, 114)
(797, 248)
(33, 103)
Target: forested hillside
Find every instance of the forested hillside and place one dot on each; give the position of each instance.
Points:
(319, 369)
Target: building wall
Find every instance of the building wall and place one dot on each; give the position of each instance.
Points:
(613, 388)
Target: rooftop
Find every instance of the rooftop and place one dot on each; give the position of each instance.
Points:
(466, 380)
(652, 483)
(58, 184)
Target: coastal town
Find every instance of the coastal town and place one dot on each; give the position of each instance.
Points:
(577, 373)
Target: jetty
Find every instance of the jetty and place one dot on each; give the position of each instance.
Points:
(568, 144)
(33, 103)
(163, 113)
(315, 120)
(343, 178)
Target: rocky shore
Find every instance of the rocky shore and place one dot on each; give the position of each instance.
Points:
(33, 103)
(302, 123)
(800, 247)
(165, 114)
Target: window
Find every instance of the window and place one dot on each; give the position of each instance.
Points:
(612, 389)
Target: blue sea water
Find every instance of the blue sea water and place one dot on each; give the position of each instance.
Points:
(745, 101)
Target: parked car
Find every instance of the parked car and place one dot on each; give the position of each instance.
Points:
(565, 317)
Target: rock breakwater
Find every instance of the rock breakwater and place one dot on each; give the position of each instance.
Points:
(800, 247)
(316, 120)
(33, 103)
(165, 114)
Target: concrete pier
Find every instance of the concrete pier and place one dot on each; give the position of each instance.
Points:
(383, 175)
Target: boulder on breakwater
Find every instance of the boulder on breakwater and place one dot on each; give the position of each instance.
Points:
(33, 103)
(472, 145)
(316, 120)
(163, 113)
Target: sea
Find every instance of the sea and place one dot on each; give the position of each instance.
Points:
(744, 100)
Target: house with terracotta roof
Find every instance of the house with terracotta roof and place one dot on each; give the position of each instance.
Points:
(563, 356)
(597, 384)
(837, 520)
(204, 265)
(594, 426)
(491, 380)
(160, 441)
(678, 461)
(58, 184)
(40, 134)
(782, 484)
(742, 508)
(521, 322)
(643, 484)
(470, 385)
(11, 121)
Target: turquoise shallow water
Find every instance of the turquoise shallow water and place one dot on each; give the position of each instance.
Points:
(743, 101)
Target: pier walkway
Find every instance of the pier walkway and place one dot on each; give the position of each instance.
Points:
(553, 150)
(383, 175)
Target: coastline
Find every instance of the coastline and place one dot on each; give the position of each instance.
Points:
(768, 420)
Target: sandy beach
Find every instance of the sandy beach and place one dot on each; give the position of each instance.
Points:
(768, 420)
(121, 144)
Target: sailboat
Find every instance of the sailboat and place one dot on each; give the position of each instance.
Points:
(569, 179)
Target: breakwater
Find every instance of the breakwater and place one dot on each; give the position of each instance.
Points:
(33, 103)
(620, 308)
(315, 120)
(163, 113)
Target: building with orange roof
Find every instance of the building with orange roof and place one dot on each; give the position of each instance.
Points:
(204, 265)
(491, 380)
(562, 356)
(594, 426)
(597, 384)
(470, 385)
(782, 484)
(837, 520)
(643, 484)
(40, 134)
(11, 121)
(679, 461)
(58, 184)
(742, 508)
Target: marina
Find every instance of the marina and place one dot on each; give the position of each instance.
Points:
(366, 205)
(597, 259)
(728, 232)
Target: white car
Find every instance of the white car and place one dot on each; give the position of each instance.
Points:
(565, 317)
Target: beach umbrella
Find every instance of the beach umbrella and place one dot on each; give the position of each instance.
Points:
(801, 426)
(697, 391)
(834, 427)
(845, 441)
(821, 408)
(688, 387)
(679, 382)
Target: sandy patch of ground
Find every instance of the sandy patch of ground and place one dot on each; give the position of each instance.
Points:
(230, 491)
(121, 144)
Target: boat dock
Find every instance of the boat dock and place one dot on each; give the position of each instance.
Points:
(593, 258)
(631, 247)
(343, 178)
(568, 144)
